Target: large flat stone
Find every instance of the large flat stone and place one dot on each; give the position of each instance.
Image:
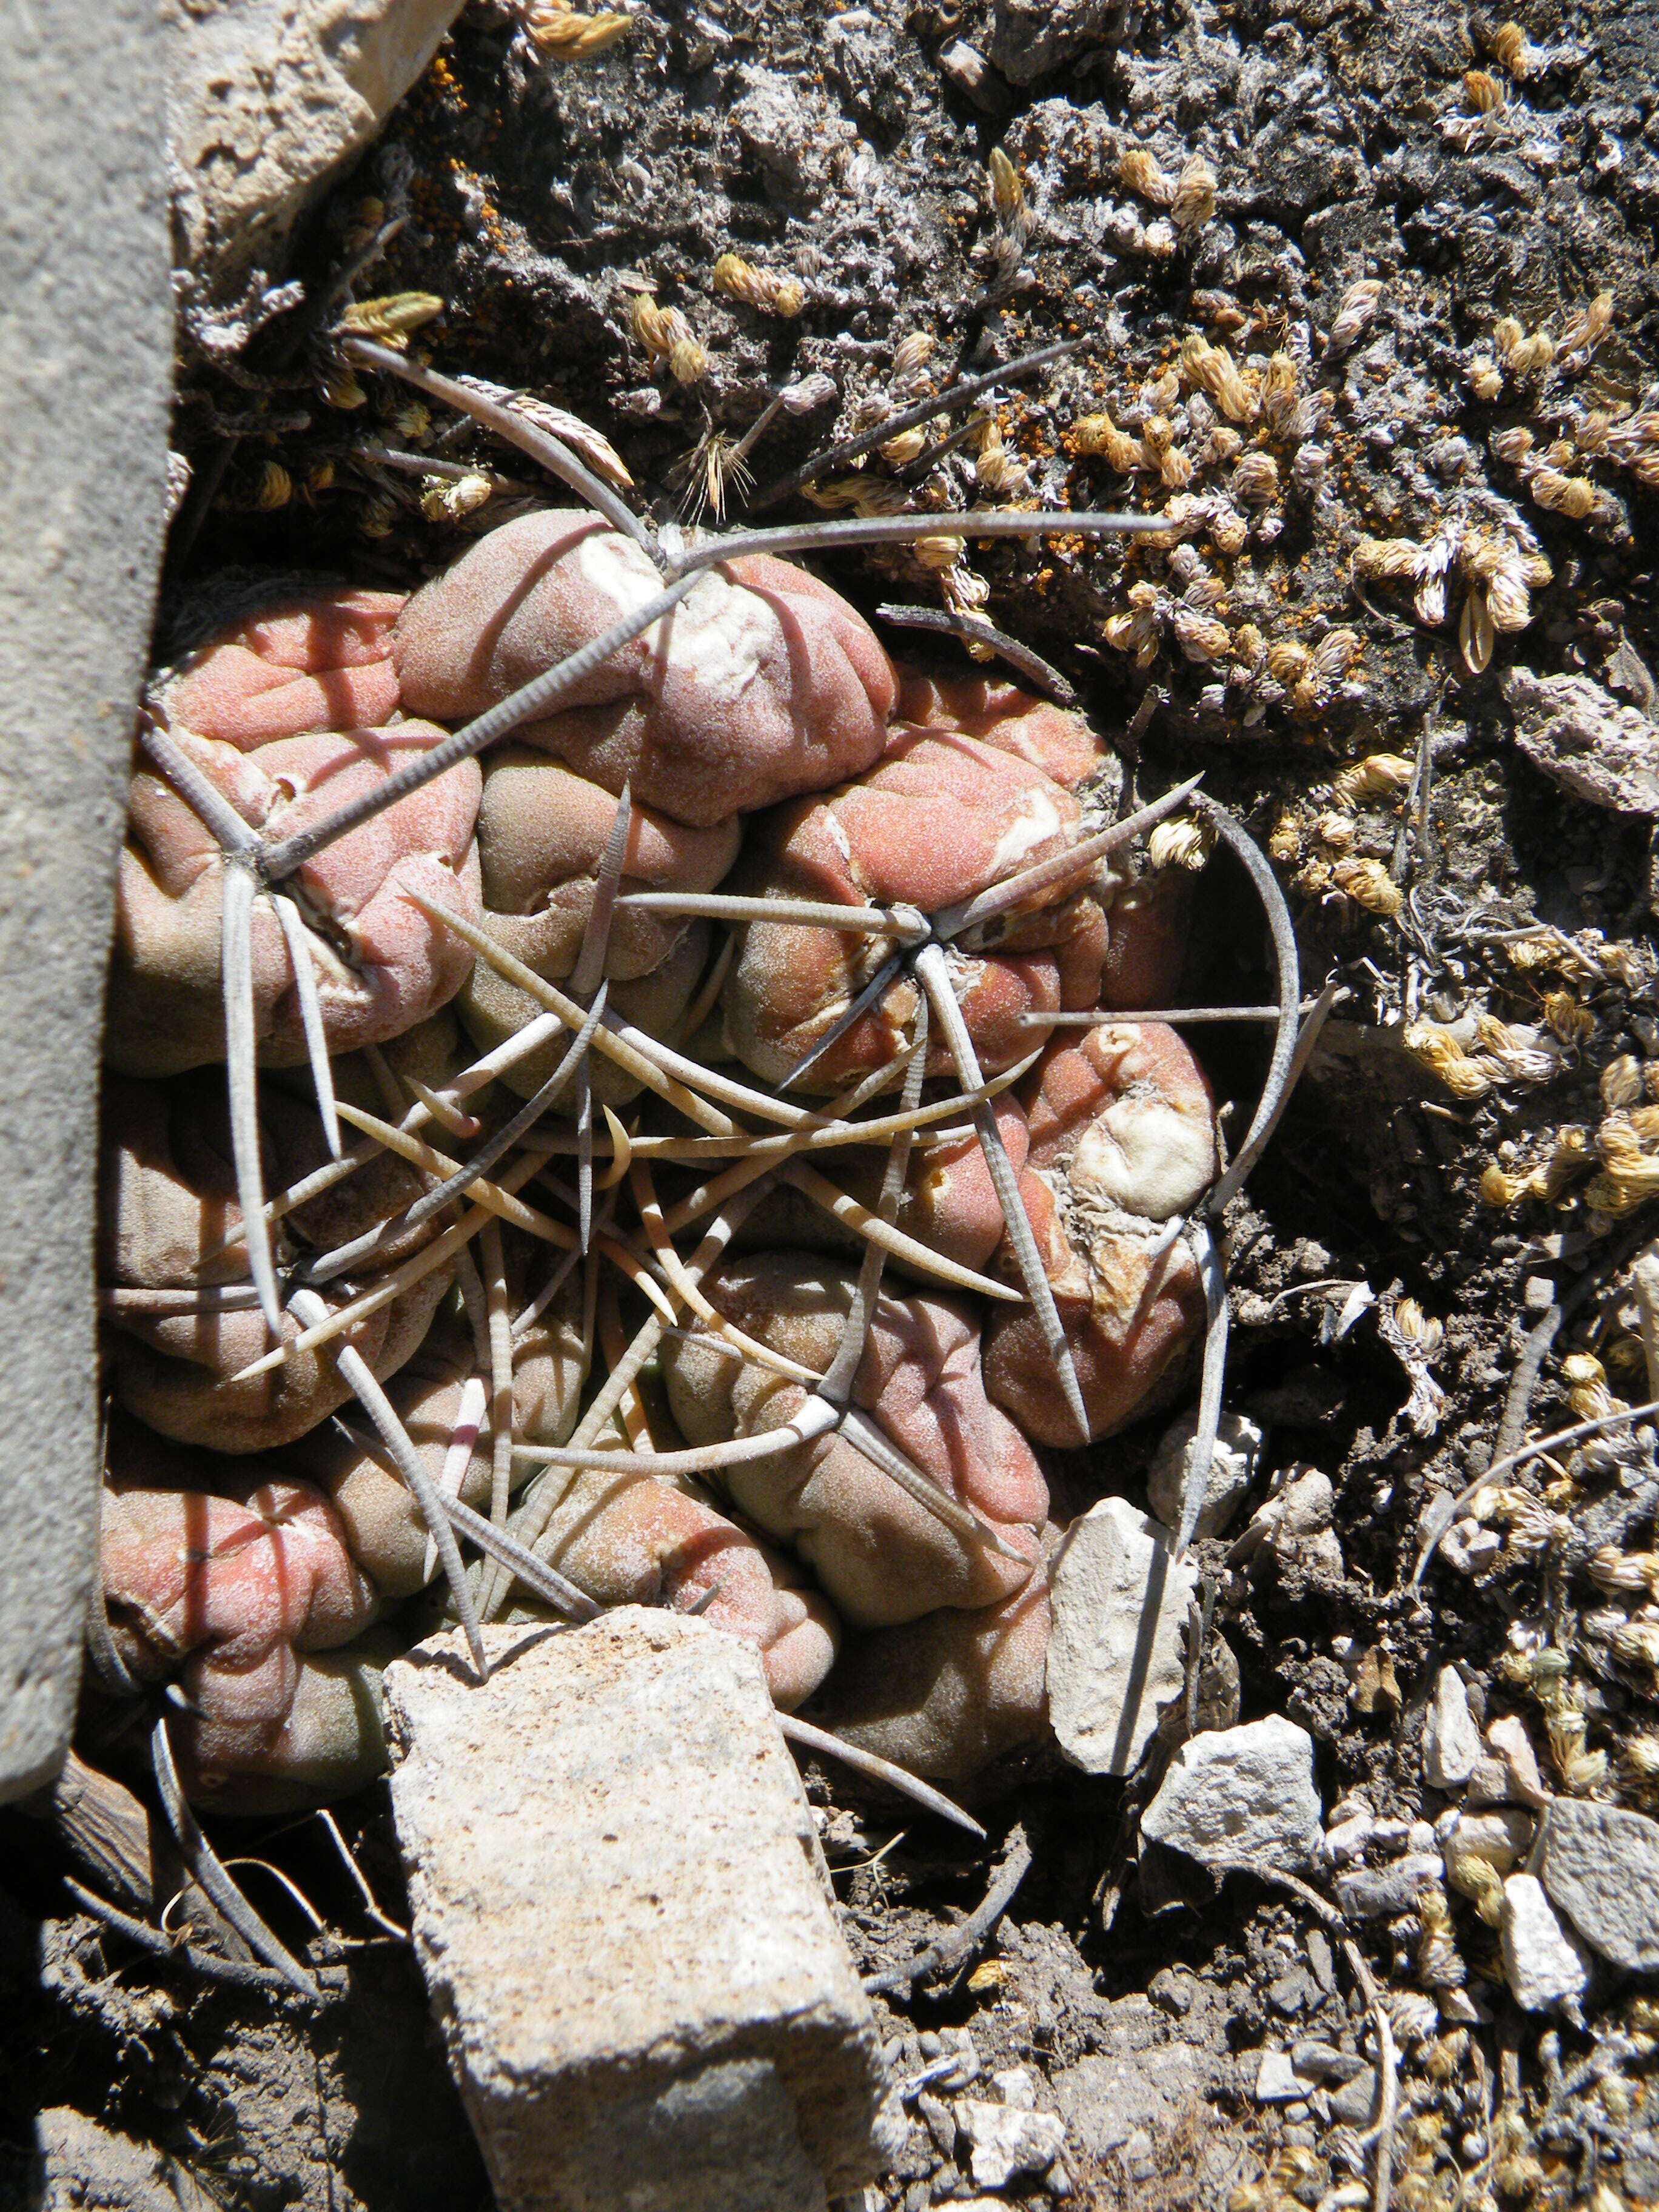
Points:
(625, 1922)
(1116, 1653)
(1600, 1864)
(268, 100)
(86, 369)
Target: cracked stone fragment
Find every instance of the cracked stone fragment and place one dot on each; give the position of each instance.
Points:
(1451, 1741)
(1585, 741)
(1116, 1656)
(616, 2040)
(1543, 1966)
(1232, 1469)
(1005, 2141)
(1240, 1796)
(1600, 1865)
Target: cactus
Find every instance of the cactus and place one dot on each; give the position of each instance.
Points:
(708, 821)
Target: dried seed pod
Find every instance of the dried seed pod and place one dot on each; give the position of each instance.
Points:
(1498, 1189)
(658, 330)
(997, 471)
(1572, 1022)
(1337, 831)
(274, 487)
(808, 393)
(907, 446)
(1358, 307)
(1368, 884)
(447, 499)
(1228, 528)
(1388, 560)
(1474, 631)
(1195, 197)
(1007, 191)
(911, 354)
(1175, 468)
(339, 388)
(1281, 396)
(1573, 497)
(1249, 646)
(1532, 356)
(1586, 326)
(411, 422)
(1256, 480)
(1285, 839)
(1138, 169)
(1483, 91)
(687, 364)
(1512, 50)
(392, 318)
(1135, 629)
(554, 27)
(1199, 637)
(1512, 444)
(1534, 571)
(759, 288)
(1214, 369)
(1181, 842)
(1620, 1084)
(1336, 653)
(1508, 601)
(1378, 775)
(1099, 434)
(1288, 663)
(1485, 378)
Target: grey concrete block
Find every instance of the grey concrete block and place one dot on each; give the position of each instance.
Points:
(625, 1922)
(85, 371)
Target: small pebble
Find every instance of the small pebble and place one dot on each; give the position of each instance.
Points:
(1451, 1742)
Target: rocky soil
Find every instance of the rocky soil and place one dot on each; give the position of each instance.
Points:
(1298, 362)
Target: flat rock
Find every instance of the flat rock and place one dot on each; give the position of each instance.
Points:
(80, 2166)
(626, 1925)
(1583, 739)
(1030, 39)
(1542, 1964)
(86, 375)
(1601, 1867)
(1104, 2098)
(1241, 1796)
(1451, 1741)
(1232, 1470)
(267, 102)
(1117, 1652)
(1277, 2082)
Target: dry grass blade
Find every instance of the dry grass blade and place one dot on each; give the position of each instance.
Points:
(920, 1259)
(953, 921)
(837, 1386)
(1195, 1478)
(411, 1470)
(815, 1418)
(872, 995)
(554, 456)
(947, 622)
(810, 1738)
(617, 1048)
(207, 1869)
(935, 977)
(528, 704)
(242, 1076)
(311, 1014)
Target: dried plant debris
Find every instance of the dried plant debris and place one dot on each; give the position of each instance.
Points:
(702, 1133)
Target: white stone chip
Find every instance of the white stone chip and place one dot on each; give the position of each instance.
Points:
(1232, 1470)
(625, 1922)
(1117, 1652)
(1451, 1741)
(1005, 2141)
(1542, 1964)
(1241, 1796)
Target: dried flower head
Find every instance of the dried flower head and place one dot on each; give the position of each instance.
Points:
(1586, 327)
(1256, 480)
(1358, 307)
(1181, 842)
(1139, 170)
(1007, 191)
(1098, 434)
(1482, 91)
(1572, 1022)
(1368, 884)
(554, 27)
(1512, 50)
(392, 320)
(1485, 378)
(274, 487)
(912, 354)
(447, 499)
(759, 288)
(1620, 1084)
(1215, 370)
(1337, 831)
(1378, 775)
(1195, 197)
